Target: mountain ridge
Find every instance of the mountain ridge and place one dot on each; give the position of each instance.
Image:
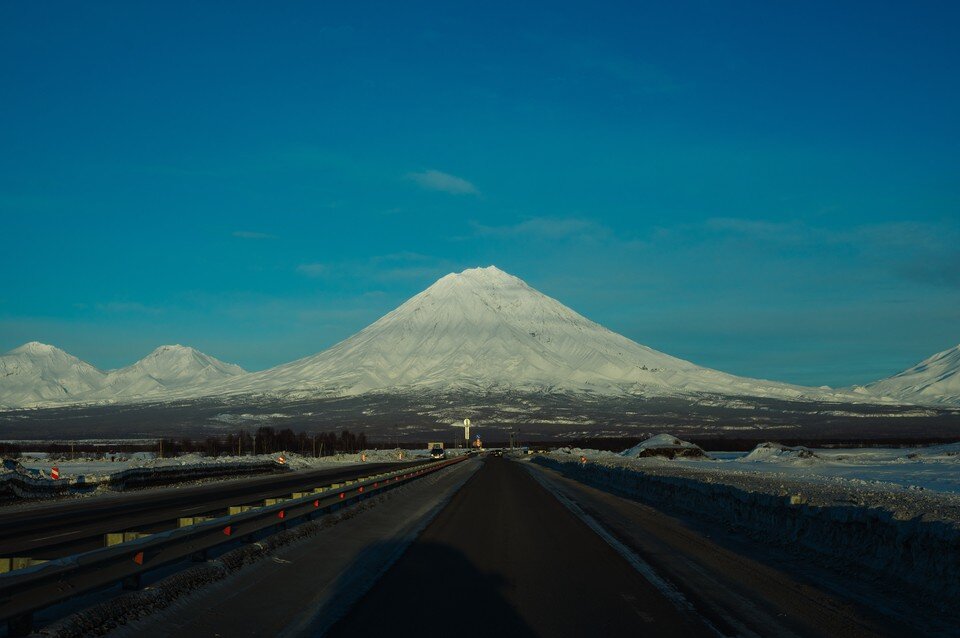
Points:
(41, 375)
(479, 330)
(934, 381)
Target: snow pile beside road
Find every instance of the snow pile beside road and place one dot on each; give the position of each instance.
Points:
(937, 454)
(665, 445)
(21, 484)
(88, 476)
(911, 536)
(776, 453)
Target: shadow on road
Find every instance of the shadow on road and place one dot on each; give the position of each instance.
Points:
(434, 591)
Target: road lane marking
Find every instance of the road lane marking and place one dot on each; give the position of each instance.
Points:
(46, 538)
(664, 586)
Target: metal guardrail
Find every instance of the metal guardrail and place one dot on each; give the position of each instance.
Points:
(29, 590)
(21, 485)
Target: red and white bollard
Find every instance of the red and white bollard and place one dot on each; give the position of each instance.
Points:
(55, 472)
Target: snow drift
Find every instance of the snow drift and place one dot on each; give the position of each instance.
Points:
(770, 452)
(665, 445)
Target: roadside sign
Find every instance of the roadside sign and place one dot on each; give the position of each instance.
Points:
(55, 472)
(466, 422)
(281, 459)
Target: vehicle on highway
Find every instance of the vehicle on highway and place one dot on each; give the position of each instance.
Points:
(438, 453)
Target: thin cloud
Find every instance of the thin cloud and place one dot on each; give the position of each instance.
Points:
(249, 234)
(127, 307)
(433, 180)
(544, 228)
(313, 270)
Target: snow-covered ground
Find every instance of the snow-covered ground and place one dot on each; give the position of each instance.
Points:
(101, 467)
(857, 511)
(931, 468)
(935, 469)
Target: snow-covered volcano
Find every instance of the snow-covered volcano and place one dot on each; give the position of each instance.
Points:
(933, 381)
(166, 369)
(37, 374)
(483, 329)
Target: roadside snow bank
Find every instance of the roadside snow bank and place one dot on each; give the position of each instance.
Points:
(777, 453)
(665, 445)
(31, 479)
(913, 537)
(19, 483)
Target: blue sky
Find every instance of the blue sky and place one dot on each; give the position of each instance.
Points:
(772, 189)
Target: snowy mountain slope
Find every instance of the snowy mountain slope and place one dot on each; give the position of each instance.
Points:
(934, 381)
(481, 330)
(484, 329)
(167, 368)
(36, 374)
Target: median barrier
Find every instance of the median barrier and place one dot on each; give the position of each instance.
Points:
(25, 591)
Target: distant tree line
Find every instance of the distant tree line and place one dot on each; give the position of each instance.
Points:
(267, 440)
(264, 440)
(10, 450)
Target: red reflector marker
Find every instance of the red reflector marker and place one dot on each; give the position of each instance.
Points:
(228, 530)
(281, 514)
(361, 489)
(376, 485)
(341, 494)
(316, 503)
(138, 558)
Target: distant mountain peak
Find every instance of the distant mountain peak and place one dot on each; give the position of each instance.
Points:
(38, 374)
(174, 349)
(489, 277)
(35, 347)
(933, 381)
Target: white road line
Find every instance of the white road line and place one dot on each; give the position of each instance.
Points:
(46, 538)
(665, 587)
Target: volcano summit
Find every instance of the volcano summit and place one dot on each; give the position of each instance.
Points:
(486, 330)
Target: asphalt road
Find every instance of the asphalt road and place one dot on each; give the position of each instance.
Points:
(505, 557)
(53, 529)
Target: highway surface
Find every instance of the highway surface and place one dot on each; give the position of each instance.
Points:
(495, 546)
(50, 530)
(506, 558)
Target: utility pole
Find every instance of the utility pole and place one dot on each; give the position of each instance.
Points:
(161, 448)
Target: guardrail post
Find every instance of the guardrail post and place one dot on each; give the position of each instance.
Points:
(132, 582)
(21, 625)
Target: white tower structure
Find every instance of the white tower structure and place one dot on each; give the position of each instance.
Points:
(466, 430)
